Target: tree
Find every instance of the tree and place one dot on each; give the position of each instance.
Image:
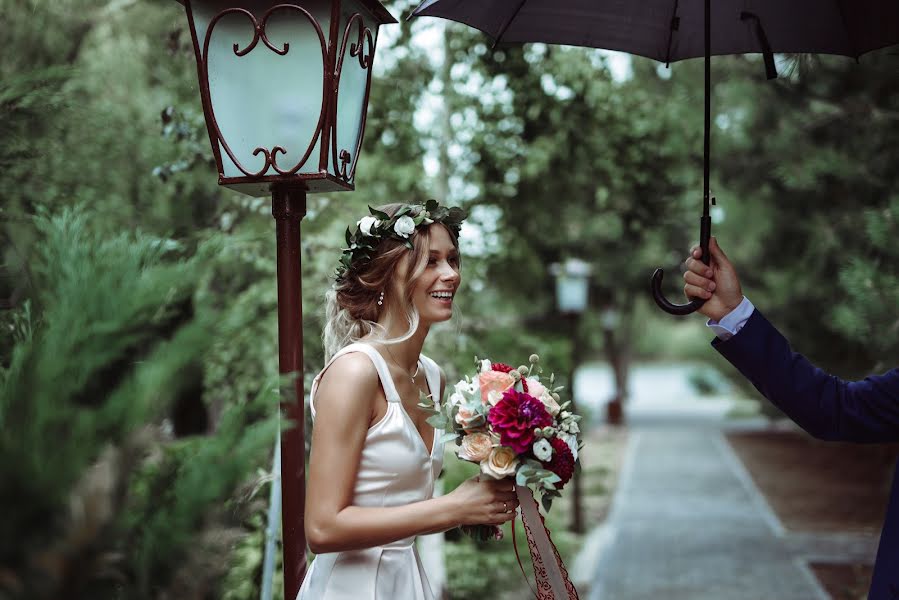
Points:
(811, 159)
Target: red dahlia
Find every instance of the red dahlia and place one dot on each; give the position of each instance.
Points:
(562, 461)
(515, 417)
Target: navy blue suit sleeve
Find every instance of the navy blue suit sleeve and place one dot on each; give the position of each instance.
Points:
(825, 406)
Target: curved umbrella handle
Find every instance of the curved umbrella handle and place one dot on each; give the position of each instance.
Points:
(705, 231)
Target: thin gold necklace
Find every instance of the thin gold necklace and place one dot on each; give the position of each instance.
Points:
(412, 376)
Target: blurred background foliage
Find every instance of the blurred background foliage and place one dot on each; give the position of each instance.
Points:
(137, 410)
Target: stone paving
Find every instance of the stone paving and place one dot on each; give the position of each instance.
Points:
(688, 523)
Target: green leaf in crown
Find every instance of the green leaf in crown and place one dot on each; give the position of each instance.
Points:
(361, 246)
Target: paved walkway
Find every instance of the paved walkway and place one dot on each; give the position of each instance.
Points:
(687, 523)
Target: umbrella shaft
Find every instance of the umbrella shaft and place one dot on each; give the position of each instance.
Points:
(708, 109)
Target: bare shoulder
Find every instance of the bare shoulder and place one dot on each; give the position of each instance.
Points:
(355, 367)
(351, 378)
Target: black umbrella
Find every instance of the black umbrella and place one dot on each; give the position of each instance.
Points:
(672, 30)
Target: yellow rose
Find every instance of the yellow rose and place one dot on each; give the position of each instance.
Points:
(501, 463)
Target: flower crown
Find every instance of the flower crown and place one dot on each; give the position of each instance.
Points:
(370, 231)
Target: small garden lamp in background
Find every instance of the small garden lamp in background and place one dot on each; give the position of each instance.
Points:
(572, 299)
(284, 88)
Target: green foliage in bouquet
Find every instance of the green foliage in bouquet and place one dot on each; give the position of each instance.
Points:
(100, 500)
(488, 568)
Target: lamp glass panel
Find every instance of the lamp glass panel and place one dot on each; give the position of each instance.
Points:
(262, 99)
(351, 103)
(571, 293)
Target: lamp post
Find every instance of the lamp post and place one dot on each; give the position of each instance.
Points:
(284, 88)
(609, 320)
(572, 296)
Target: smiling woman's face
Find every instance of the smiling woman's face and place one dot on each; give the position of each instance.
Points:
(434, 291)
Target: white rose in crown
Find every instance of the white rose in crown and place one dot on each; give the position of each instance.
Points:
(366, 223)
(501, 463)
(404, 226)
(475, 447)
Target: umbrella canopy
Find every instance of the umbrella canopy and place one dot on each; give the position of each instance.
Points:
(672, 30)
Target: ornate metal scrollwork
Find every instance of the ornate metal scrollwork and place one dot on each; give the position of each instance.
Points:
(363, 49)
(259, 33)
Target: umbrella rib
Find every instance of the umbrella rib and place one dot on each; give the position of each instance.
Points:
(675, 24)
(508, 22)
(852, 47)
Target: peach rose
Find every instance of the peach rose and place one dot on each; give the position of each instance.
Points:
(475, 447)
(501, 463)
(493, 397)
(493, 381)
(470, 419)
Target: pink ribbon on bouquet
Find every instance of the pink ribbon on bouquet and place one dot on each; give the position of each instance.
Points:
(549, 570)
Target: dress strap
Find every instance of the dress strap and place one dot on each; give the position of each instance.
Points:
(432, 373)
(376, 358)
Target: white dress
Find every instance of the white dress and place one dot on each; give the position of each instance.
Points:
(395, 469)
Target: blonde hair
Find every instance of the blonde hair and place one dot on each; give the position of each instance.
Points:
(351, 305)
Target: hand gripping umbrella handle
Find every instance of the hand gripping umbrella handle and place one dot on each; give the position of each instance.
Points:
(705, 231)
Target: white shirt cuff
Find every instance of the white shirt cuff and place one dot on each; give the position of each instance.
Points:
(731, 323)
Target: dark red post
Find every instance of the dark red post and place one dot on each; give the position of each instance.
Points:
(288, 209)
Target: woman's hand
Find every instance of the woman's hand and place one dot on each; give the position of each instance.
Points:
(484, 501)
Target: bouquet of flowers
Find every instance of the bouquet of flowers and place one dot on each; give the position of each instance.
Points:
(513, 425)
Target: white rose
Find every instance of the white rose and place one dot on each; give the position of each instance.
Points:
(571, 440)
(462, 388)
(404, 226)
(501, 463)
(535, 388)
(475, 447)
(456, 399)
(366, 223)
(543, 450)
(550, 403)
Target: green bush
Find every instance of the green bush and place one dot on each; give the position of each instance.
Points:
(100, 498)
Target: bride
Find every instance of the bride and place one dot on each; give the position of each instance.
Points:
(374, 457)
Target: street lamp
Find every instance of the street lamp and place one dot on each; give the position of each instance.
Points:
(608, 320)
(572, 296)
(572, 279)
(284, 88)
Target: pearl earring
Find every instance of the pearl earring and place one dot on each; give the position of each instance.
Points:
(381, 298)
